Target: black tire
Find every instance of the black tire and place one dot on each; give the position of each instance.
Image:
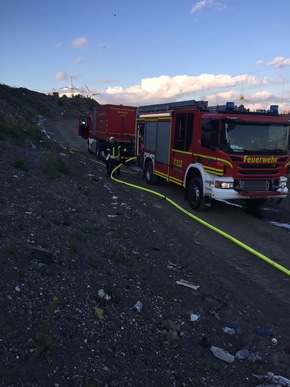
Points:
(195, 195)
(98, 150)
(149, 174)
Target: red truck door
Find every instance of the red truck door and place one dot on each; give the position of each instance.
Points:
(181, 155)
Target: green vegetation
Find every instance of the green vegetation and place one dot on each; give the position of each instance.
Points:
(43, 344)
(54, 165)
(19, 129)
(20, 164)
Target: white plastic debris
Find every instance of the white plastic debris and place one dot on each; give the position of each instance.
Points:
(187, 284)
(194, 317)
(222, 354)
(275, 379)
(138, 306)
(274, 341)
(243, 354)
(104, 295)
(17, 288)
(229, 331)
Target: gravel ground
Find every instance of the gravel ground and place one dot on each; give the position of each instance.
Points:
(90, 290)
(104, 285)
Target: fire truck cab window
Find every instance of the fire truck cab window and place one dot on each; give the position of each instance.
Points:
(180, 125)
(210, 133)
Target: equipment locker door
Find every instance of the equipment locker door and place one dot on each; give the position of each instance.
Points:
(180, 154)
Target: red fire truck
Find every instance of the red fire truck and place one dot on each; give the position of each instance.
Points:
(226, 153)
(109, 121)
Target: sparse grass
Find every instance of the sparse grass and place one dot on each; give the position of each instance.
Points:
(72, 248)
(55, 165)
(90, 229)
(204, 364)
(74, 265)
(94, 262)
(119, 232)
(120, 258)
(79, 235)
(85, 190)
(63, 219)
(43, 343)
(19, 129)
(13, 250)
(20, 164)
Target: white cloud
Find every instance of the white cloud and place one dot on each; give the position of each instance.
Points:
(61, 76)
(246, 89)
(78, 60)
(59, 45)
(201, 4)
(279, 62)
(80, 42)
(207, 3)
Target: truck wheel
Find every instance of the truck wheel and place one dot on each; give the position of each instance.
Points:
(98, 151)
(150, 177)
(195, 195)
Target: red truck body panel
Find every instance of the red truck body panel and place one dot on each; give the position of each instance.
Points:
(109, 121)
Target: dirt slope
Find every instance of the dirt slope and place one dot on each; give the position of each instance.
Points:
(91, 290)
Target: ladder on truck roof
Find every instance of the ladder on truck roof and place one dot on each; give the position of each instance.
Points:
(165, 107)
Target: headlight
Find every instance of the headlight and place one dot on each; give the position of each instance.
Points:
(224, 185)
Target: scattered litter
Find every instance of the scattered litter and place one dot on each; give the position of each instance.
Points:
(15, 176)
(222, 354)
(115, 197)
(104, 295)
(138, 306)
(174, 266)
(41, 257)
(112, 216)
(44, 133)
(17, 288)
(99, 313)
(229, 331)
(275, 379)
(243, 354)
(255, 358)
(215, 314)
(263, 332)
(187, 284)
(274, 341)
(194, 317)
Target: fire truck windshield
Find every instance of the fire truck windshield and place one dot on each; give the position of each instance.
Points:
(254, 138)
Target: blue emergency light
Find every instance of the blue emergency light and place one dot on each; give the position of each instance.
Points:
(274, 109)
(230, 106)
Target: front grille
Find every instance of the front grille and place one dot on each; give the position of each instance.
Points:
(258, 185)
(253, 185)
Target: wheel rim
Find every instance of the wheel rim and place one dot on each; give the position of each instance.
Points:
(195, 194)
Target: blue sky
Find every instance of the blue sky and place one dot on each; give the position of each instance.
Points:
(137, 53)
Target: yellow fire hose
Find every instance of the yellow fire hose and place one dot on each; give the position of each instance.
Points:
(206, 224)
